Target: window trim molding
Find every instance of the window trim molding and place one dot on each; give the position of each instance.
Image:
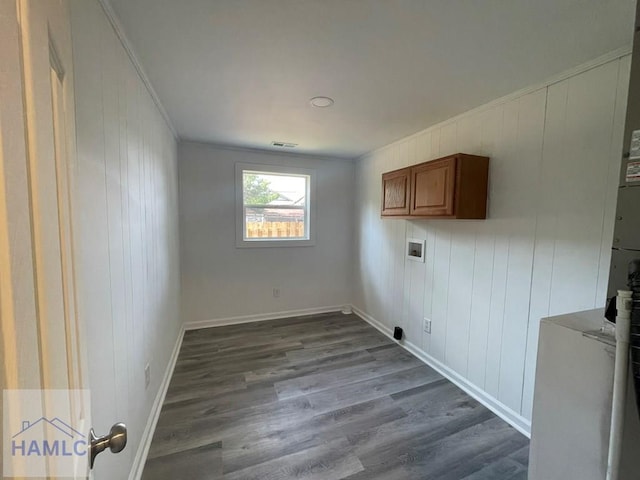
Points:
(239, 207)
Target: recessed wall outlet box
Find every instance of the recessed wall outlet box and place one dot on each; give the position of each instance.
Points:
(427, 325)
(415, 249)
(276, 293)
(147, 375)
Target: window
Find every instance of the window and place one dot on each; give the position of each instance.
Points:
(273, 206)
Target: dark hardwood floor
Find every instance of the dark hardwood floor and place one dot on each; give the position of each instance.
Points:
(323, 397)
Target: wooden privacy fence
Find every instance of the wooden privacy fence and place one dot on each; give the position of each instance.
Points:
(275, 229)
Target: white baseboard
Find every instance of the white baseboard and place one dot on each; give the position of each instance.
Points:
(218, 322)
(145, 442)
(514, 419)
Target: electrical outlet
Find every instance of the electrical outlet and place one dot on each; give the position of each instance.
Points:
(147, 375)
(427, 325)
(276, 293)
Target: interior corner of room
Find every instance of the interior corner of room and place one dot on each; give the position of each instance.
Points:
(160, 254)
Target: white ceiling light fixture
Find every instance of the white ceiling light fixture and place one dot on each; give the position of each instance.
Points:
(321, 102)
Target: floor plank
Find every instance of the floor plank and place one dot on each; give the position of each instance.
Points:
(323, 397)
(202, 463)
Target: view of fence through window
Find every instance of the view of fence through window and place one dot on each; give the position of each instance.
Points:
(275, 205)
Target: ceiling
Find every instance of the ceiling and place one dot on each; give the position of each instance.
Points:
(241, 72)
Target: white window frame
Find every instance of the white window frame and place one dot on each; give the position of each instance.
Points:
(241, 241)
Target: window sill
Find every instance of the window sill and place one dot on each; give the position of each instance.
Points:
(274, 243)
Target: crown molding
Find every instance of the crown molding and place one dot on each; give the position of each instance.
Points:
(119, 30)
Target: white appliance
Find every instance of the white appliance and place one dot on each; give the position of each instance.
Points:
(572, 403)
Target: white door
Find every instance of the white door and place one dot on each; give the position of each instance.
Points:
(42, 335)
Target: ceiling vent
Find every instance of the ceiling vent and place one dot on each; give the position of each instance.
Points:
(284, 144)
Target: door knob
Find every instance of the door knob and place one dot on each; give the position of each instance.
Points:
(116, 440)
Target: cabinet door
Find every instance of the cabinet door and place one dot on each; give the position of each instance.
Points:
(433, 188)
(395, 192)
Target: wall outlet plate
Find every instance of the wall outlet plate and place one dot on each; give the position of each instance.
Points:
(427, 325)
(276, 293)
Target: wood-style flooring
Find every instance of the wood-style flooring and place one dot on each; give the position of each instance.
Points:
(323, 397)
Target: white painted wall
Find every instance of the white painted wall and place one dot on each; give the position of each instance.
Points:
(545, 249)
(128, 239)
(220, 281)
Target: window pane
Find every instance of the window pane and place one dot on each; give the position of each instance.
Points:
(275, 206)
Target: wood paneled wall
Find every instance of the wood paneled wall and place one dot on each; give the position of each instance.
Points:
(544, 250)
(127, 215)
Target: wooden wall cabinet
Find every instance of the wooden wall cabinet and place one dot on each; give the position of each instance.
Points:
(449, 187)
(396, 192)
